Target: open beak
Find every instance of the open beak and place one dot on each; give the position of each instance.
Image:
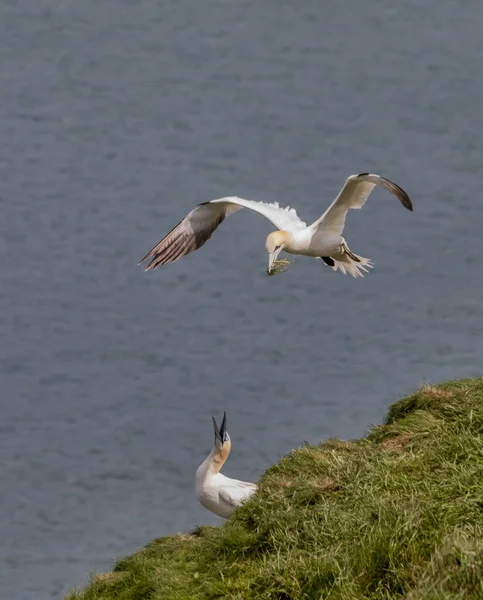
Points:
(220, 433)
(271, 259)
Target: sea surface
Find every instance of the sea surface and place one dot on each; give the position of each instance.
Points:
(116, 119)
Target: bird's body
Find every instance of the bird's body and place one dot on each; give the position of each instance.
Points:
(219, 494)
(308, 243)
(323, 239)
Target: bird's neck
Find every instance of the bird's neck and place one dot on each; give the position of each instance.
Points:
(215, 460)
(298, 241)
(287, 238)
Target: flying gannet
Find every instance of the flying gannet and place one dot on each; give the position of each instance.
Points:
(219, 494)
(323, 239)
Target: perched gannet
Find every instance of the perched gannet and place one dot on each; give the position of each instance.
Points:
(216, 492)
(323, 239)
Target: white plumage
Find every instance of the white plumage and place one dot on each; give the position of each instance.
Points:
(219, 494)
(323, 239)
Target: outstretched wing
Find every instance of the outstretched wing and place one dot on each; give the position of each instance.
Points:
(354, 194)
(235, 492)
(283, 218)
(198, 225)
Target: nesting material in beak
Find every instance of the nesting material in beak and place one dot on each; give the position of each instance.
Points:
(278, 266)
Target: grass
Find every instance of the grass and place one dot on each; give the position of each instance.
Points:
(397, 514)
(280, 266)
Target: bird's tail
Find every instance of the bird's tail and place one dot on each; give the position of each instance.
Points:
(346, 261)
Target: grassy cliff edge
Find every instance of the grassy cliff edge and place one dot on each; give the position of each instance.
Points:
(396, 514)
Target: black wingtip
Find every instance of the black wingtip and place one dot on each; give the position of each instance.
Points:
(397, 191)
(404, 198)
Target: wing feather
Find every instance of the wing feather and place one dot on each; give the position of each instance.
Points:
(354, 194)
(174, 249)
(190, 234)
(198, 226)
(237, 492)
(282, 218)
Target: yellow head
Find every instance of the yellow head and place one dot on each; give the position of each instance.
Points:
(222, 446)
(275, 243)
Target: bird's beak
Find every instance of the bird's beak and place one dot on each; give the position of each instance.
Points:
(220, 433)
(217, 431)
(223, 428)
(272, 257)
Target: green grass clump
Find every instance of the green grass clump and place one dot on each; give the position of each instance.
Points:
(280, 266)
(397, 514)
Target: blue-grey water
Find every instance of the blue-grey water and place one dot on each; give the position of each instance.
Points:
(116, 118)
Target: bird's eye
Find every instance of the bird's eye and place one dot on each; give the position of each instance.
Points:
(277, 247)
